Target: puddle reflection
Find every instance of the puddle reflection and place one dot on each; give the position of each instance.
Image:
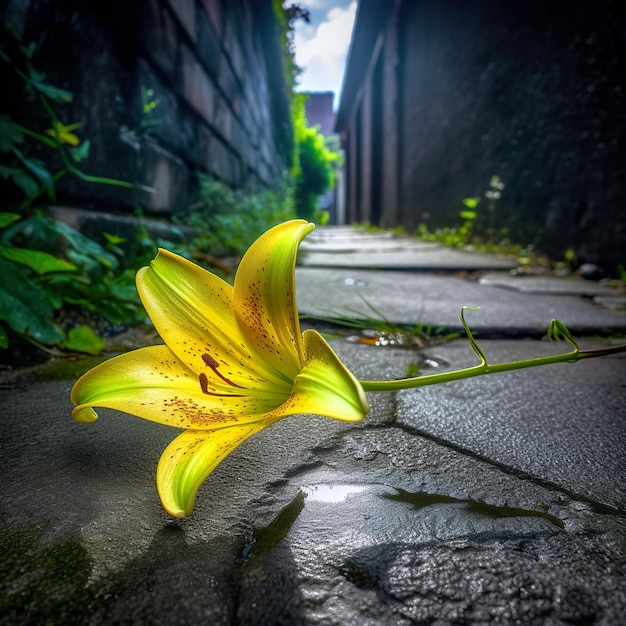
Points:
(331, 493)
(420, 499)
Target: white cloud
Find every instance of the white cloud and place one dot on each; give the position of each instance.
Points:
(321, 49)
(318, 4)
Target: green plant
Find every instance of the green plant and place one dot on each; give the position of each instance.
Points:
(19, 144)
(285, 16)
(228, 221)
(315, 165)
(377, 329)
(476, 229)
(48, 268)
(147, 121)
(367, 227)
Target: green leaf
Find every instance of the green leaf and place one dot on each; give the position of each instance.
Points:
(10, 134)
(80, 153)
(8, 218)
(40, 262)
(127, 293)
(4, 339)
(24, 306)
(38, 169)
(29, 50)
(471, 203)
(114, 239)
(468, 215)
(22, 179)
(54, 93)
(56, 300)
(90, 251)
(84, 339)
(68, 278)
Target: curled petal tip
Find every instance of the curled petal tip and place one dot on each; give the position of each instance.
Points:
(175, 511)
(84, 414)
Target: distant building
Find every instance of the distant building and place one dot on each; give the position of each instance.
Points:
(319, 111)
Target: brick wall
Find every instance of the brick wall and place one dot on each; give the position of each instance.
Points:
(215, 69)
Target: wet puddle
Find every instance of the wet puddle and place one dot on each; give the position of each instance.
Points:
(331, 493)
(393, 339)
(420, 500)
(266, 538)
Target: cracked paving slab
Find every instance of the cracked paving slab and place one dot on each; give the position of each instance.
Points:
(390, 521)
(563, 424)
(436, 301)
(333, 248)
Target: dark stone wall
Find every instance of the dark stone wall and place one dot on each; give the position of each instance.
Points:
(215, 68)
(533, 92)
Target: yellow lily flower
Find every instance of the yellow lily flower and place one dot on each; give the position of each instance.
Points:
(235, 362)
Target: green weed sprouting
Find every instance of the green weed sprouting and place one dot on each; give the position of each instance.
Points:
(379, 330)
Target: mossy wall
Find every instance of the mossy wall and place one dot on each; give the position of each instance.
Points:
(214, 68)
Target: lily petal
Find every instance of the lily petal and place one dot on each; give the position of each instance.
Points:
(265, 297)
(190, 458)
(192, 311)
(153, 384)
(325, 386)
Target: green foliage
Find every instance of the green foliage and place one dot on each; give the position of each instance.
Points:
(49, 272)
(47, 267)
(18, 144)
(453, 236)
(147, 120)
(471, 204)
(367, 227)
(227, 221)
(83, 339)
(315, 165)
(476, 229)
(285, 18)
(25, 307)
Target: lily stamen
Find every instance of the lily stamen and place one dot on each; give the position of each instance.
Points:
(213, 364)
(204, 385)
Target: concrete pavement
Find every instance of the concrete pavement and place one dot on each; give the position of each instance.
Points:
(492, 500)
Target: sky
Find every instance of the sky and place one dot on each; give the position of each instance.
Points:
(322, 45)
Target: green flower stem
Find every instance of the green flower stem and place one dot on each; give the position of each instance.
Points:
(557, 330)
(55, 143)
(38, 136)
(68, 165)
(482, 369)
